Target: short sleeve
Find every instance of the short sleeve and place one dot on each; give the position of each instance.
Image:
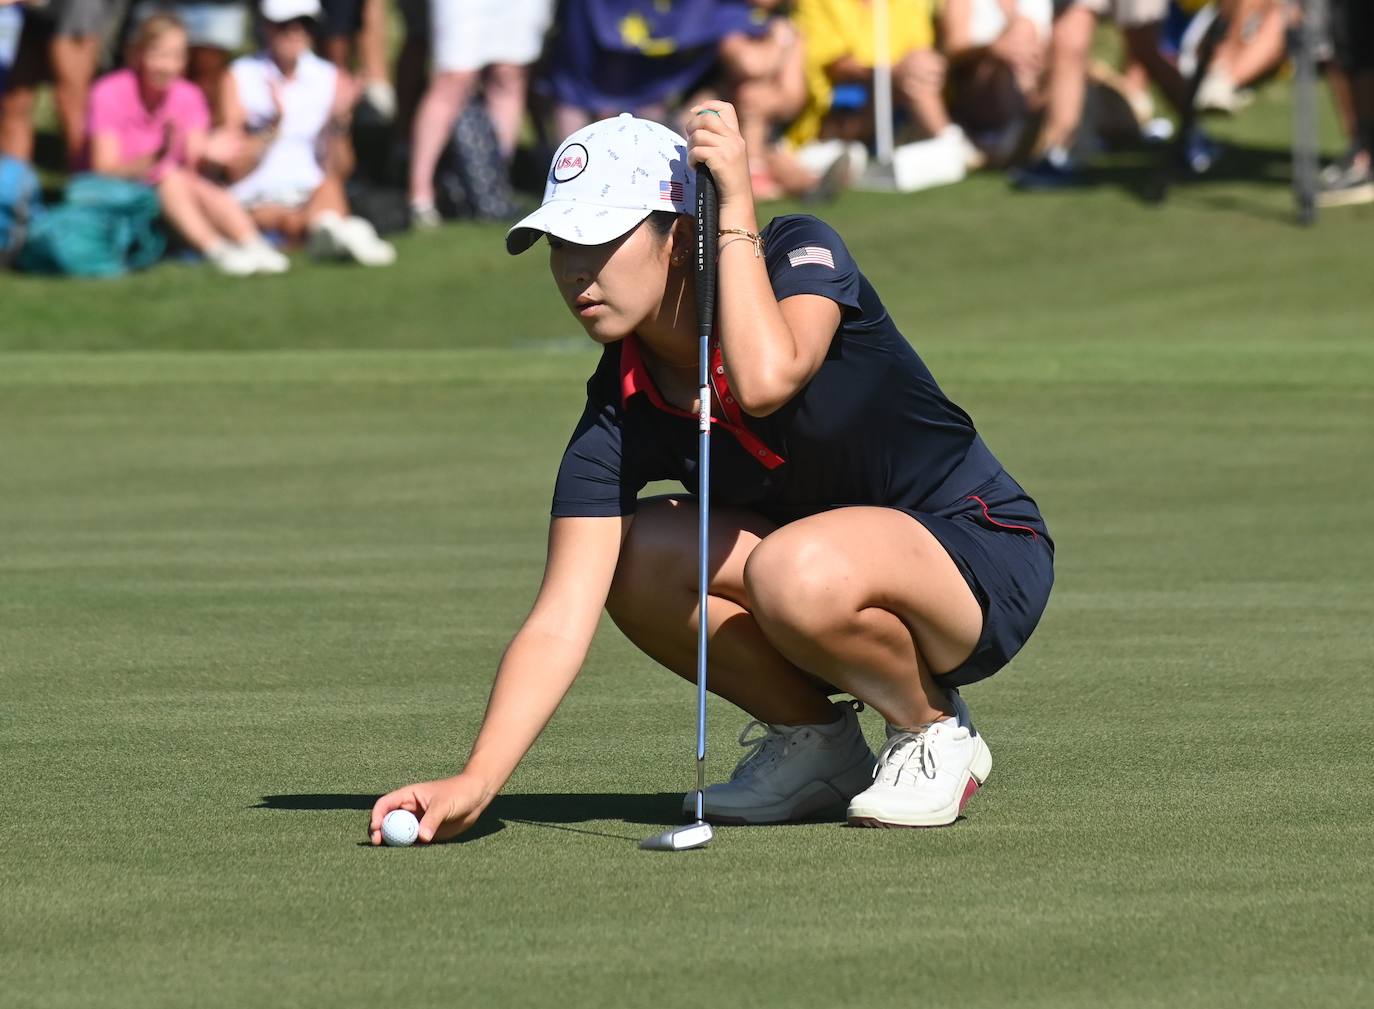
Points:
(102, 111)
(807, 256)
(598, 476)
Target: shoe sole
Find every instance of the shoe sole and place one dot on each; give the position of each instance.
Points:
(815, 798)
(978, 773)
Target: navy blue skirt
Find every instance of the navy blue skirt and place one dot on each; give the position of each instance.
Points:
(999, 542)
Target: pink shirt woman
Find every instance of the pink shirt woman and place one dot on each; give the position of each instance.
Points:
(149, 124)
(160, 135)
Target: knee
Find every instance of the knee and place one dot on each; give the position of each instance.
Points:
(799, 586)
(505, 77)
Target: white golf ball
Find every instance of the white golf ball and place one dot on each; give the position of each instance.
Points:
(400, 828)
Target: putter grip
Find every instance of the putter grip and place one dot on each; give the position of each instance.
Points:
(708, 223)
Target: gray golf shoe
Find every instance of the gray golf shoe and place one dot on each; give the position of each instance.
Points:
(792, 772)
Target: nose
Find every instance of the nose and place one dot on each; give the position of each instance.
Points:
(572, 268)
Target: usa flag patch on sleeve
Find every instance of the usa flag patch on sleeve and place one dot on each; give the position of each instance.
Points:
(812, 254)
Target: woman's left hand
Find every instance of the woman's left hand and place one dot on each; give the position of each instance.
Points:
(714, 140)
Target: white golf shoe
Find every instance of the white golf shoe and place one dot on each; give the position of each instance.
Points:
(791, 772)
(925, 777)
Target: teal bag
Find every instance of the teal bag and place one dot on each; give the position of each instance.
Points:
(105, 227)
(21, 204)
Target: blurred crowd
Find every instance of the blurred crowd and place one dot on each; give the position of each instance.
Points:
(285, 124)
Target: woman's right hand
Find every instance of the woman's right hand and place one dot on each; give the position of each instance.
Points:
(445, 808)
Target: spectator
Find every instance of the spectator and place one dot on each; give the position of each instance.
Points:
(765, 75)
(486, 42)
(216, 28)
(841, 50)
(60, 42)
(364, 22)
(150, 124)
(289, 110)
(1070, 49)
(639, 56)
(997, 51)
(1350, 180)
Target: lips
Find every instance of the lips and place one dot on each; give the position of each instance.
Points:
(585, 306)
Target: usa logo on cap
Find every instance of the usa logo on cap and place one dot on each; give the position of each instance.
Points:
(569, 163)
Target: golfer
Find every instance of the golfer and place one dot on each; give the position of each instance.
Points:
(864, 540)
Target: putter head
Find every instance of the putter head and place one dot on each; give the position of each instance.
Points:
(684, 838)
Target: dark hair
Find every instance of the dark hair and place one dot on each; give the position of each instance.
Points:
(662, 222)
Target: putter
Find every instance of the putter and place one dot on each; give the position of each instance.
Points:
(698, 834)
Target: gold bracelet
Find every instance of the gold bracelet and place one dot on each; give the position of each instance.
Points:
(753, 237)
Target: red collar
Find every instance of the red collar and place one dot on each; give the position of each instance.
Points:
(635, 379)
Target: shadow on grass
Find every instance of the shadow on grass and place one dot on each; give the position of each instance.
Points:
(1140, 172)
(550, 811)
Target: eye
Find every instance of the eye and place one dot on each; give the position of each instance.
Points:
(554, 243)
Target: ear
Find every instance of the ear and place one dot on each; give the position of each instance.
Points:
(681, 240)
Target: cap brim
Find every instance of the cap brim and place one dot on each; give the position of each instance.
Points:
(579, 223)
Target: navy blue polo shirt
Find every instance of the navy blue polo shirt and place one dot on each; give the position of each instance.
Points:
(872, 427)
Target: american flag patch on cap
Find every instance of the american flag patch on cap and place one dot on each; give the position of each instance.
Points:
(811, 254)
(670, 191)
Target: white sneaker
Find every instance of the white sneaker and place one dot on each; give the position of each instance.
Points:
(232, 260)
(924, 778)
(268, 259)
(791, 772)
(1216, 93)
(425, 217)
(335, 237)
(363, 245)
(326, 237)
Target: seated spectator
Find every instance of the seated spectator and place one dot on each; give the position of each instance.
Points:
(150, 124)
(59, 42)
(1071, 45)
(997, 51)
(765, 79)
(841, 50)
(290, 111)
(216, 29)
(360, 24)
(486, 42)
(637, 56)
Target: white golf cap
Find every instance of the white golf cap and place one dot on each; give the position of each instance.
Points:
(282, 11)
(605, 179)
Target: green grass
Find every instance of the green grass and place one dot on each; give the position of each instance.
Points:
(262, 543)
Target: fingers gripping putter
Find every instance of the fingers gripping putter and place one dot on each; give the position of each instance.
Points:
(698, 834)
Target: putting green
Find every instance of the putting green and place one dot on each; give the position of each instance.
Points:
(257, 567)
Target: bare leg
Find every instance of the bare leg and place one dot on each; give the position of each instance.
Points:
(73, 66)
(919, 79)
(372, 42)
(1070, 47)
(177, 192)
(505, 91)
(439, 109)
(17, 100)
(864, 598)
(868, 600)
(1143, 43)
(289, 222)
(653, 600)
(222, 211)
(329, 198)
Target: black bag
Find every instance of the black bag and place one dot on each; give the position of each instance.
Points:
(472, 179)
